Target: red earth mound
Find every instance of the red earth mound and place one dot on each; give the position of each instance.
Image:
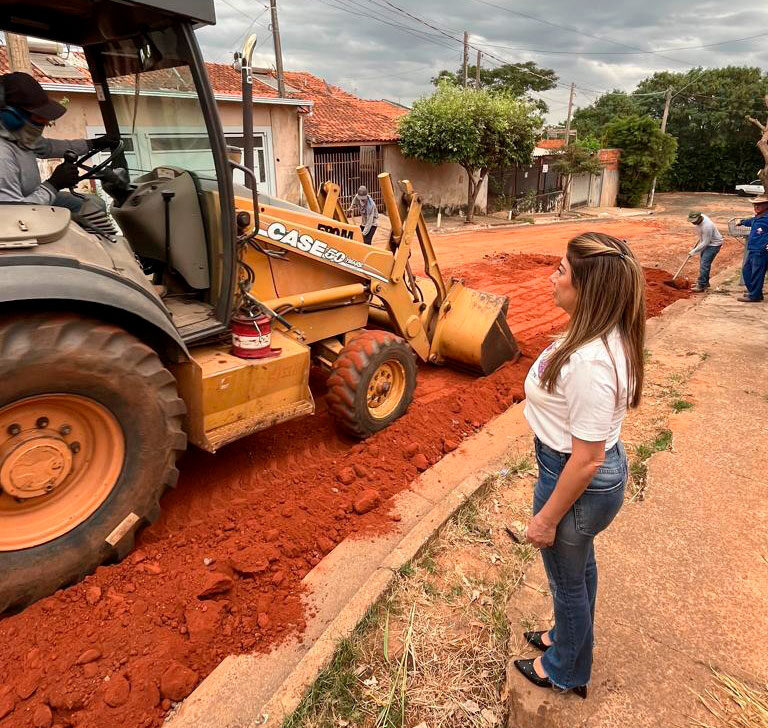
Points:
(220, 572)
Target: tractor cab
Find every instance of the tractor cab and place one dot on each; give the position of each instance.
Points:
(170, 181)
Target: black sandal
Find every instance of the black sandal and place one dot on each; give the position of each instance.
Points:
(528, 672)
(534, 638)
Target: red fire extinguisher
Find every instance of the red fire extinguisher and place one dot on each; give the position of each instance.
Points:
(252, 337)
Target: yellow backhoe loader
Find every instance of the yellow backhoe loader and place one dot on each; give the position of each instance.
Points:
(197, 316)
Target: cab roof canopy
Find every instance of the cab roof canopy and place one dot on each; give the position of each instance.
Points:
(84, 22)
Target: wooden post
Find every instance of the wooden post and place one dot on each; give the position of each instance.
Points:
(664, 118)
(477, 69)
(568, 120)
(278, 50)
(18, 52)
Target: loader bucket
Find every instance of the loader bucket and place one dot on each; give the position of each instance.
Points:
(472, 331)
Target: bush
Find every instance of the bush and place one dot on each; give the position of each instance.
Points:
(646, 152)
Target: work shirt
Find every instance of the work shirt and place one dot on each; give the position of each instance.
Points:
(590, 396)
(369, 215)
(709, 235)
(19, 174)
(758, 234)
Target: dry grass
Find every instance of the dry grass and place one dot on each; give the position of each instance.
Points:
(733, 704)
(436, 649)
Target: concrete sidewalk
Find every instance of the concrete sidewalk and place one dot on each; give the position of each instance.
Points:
(684, 573)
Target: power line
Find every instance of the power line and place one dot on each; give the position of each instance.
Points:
(243, 35)
(575, 30)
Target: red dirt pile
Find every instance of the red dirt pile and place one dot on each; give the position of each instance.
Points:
(220, 573)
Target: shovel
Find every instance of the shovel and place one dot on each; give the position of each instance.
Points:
(679, 284)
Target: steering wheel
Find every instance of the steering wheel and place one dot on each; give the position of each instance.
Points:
(93, 172)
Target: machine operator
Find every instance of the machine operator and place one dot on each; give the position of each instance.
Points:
(25, 111)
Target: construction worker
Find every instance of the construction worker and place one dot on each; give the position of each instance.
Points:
(756, 262)
(25, 111)
(369, 215)
(708, 246)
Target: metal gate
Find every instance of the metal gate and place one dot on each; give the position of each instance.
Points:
(360, 166)
(580, 184)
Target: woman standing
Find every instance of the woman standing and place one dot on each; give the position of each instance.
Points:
(577, 395)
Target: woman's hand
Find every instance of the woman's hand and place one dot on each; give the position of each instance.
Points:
(540, 532)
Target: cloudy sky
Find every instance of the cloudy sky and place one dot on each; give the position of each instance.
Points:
(373, 48)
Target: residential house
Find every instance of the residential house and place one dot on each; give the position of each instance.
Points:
(542, 185)
(337, 134)
(351, 140)
(168, 124)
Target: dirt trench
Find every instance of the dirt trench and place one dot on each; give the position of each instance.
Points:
(220, 571)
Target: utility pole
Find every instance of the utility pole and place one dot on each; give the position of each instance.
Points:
(566, 204)
(664, 117)
(278, 50)
(568, 120)
(466, 57)
(477, 68)
(18, 52)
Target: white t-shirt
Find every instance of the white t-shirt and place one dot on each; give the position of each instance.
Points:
(584, 403)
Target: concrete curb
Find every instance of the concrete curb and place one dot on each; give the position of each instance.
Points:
(513, 225)
(261, 690)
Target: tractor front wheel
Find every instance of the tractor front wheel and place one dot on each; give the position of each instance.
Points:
(372, 382)
(90, 427)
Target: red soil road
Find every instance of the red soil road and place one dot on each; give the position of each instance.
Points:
(248, 524)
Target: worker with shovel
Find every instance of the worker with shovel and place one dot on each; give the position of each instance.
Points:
(369, 215)
(708, 246)
(756, 262)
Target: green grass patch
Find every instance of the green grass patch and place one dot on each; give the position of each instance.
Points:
(638, 468)
(680, 405)
(335, 694)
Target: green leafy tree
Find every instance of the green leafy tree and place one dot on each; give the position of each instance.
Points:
(591, 120)
(576, 158)
(708, 117)
(515, 79)
(646, 152)
(475, 128)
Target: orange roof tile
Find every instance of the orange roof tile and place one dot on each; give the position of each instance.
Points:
(550, 143)
(337, 117)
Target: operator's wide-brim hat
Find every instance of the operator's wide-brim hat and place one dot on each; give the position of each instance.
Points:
(759, 199)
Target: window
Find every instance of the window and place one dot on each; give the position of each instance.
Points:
(259, 157)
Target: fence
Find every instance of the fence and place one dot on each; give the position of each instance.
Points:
(350, 170)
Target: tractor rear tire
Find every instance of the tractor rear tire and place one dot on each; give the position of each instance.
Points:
(90, 428)
(371, 383)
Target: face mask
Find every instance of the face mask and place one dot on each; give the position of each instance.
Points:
(29, 134)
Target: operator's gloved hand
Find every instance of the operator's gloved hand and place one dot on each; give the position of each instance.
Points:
(107, 141)
(65, 175)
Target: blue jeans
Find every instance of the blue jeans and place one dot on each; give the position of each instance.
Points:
(68, 200)
(705, 265)
(753, 273)
(570, 561)
(368, 237)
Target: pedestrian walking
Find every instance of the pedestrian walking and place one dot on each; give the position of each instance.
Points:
(708, 246)
(577, 395)
(362, 204)
(756, 262)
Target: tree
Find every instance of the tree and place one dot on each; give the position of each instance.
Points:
(576, 158)
(646, 152)
(591, 120)
(707, 116)
(475, 128)
(515, 79)
(762, 145)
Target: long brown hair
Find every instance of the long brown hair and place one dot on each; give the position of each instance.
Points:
(610, 294)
